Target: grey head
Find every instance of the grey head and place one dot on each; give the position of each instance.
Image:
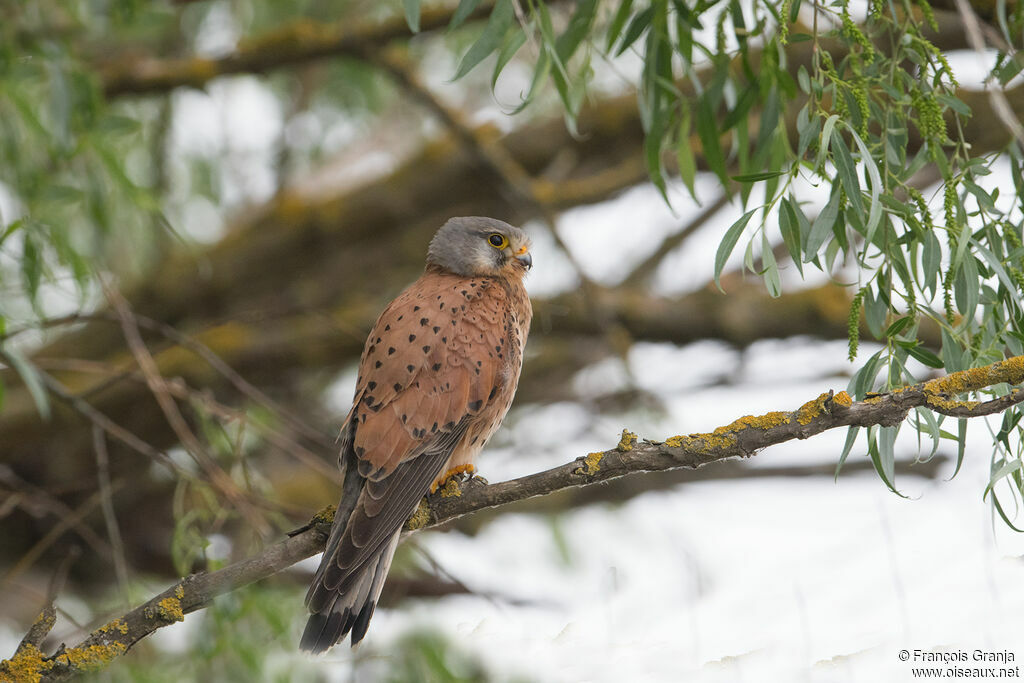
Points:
(474, 246)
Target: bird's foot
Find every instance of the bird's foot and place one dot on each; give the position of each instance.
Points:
(453, 478)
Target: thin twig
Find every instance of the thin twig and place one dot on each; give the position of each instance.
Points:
(99, 440)
(158, 386)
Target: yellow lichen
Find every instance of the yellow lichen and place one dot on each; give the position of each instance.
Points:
(119, 625)
(451, 489)
(627, 441)
(92, 657)
(169, 609)
(324, 516)
(842, 399)
(943, 403)
(767, 421)
(420, 518)
(26, 666)
(179, 591)
(1010, 371)
(811, 409)
(720, 439)
(592, 463)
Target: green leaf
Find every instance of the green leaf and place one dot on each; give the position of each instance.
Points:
(790, 229)
(931, 260)
(925, 356)
(618, 21)
(754, 177)
(513, 41)
(490, 40)
(732, 235)
(875, 212)
(847, 173)
(578, 29)
(851, 438)
(898, 326)
(684, 154)
(30, 376)
(883, 457)
(826, 137)
(412, 14)
(636, 28)
(708, 133)
(772, 280)
(822, 226)
(462, 13)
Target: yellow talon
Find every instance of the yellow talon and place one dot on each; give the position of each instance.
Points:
(467, 469)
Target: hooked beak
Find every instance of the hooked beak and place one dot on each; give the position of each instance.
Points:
(525, 259)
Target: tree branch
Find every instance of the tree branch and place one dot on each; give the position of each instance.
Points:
(299, 42)
(742, 438)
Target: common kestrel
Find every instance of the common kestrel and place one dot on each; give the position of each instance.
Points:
(437, 375)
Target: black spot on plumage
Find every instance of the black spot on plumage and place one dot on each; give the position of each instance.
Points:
(412, 337)
(368, 399)
(436, 367)
(475, 439)
(436, 329)
(426, 348)
(441, 307)
(497, 347)
(370, 350)
(449, 425)
(360, 451)
(371, 385)
(377, 364)
(391, 350)
(444, 340)
(433, 428)
(475, 405)
(479, 363)
(405, 418)
(400, 317)
(387, 327)
(424, 321)
(398, 387)
(492, 394)
(415, 308)
(410, 368)
(472, 284)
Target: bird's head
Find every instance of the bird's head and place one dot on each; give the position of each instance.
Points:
(474, 246)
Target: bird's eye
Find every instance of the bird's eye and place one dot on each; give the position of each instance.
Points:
(498, 241)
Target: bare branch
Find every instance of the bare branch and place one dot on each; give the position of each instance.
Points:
(742, 438)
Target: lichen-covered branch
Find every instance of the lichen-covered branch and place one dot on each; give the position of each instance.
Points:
(295, 43)
(741, 438)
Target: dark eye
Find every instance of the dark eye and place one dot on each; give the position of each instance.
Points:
(498, 241)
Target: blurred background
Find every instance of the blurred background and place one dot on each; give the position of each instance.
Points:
(207, 203)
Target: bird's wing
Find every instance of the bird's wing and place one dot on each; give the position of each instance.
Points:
(435, 359)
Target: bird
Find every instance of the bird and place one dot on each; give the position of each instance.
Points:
(437, 375)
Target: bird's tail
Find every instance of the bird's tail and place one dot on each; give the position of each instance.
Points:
(349, 610)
